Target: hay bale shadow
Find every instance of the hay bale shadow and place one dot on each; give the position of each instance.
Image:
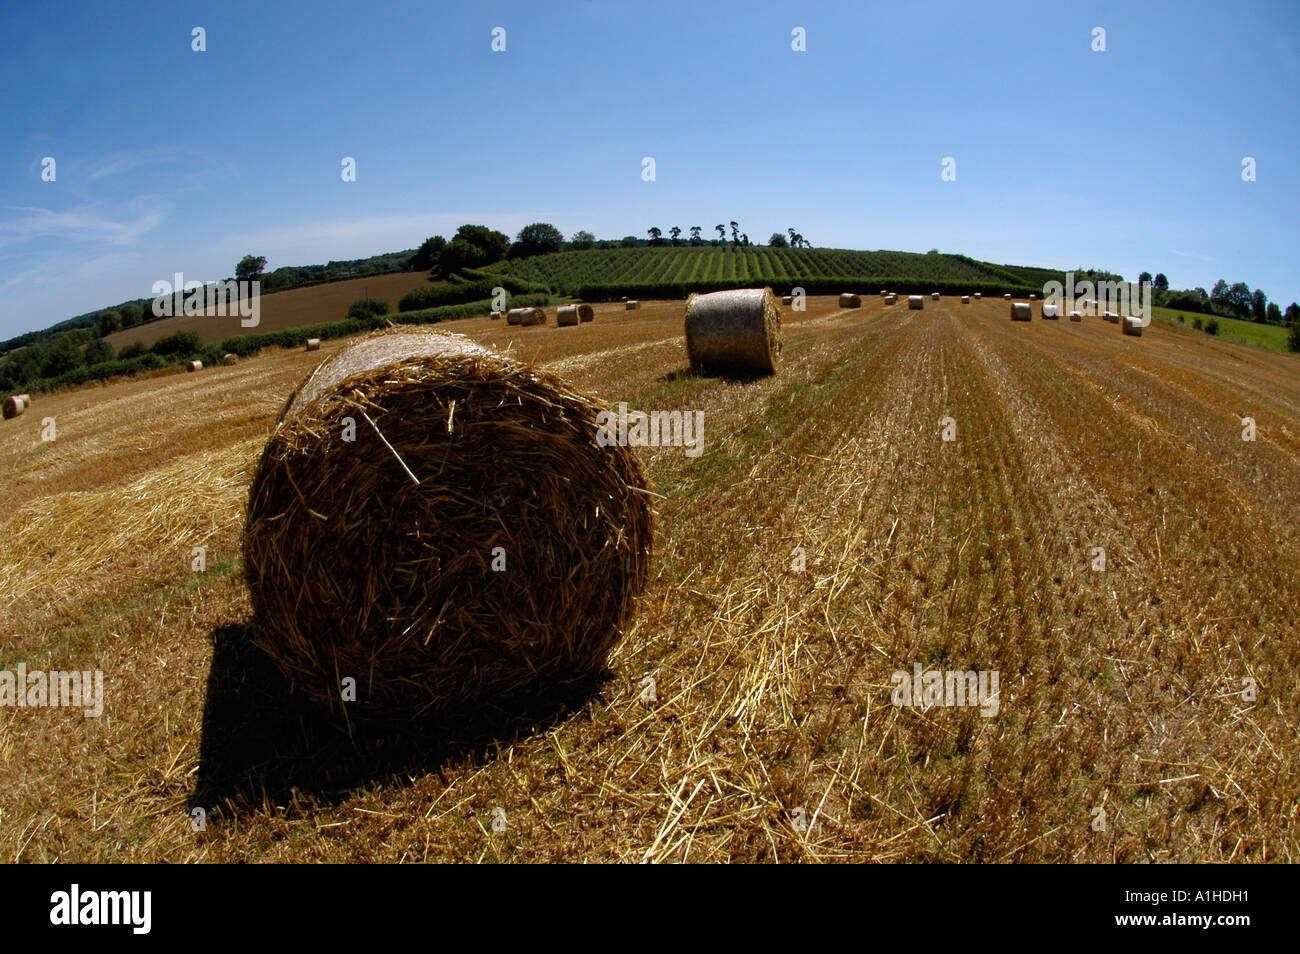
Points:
(262, 742)
(735, 375)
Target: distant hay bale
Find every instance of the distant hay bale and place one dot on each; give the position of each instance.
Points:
(515, 316)
(915, 303)
(934, 296)
(787, 300)
(14, 405)
(586, 313)
(736, 331)
(229, 359)
(632, 304)
(624, 298)
(26, 399)
(1075, 316)
(1132, 325)
(848, 300)
(1032, 296)
(1007, 296)
(494, 315)
(1110, 316)
(195, 365)
(313, 344)
(965, 299)
(1020, 311)
(883, 293)
(532, 316)
(566, 315)
(1051, 311)
(979, 294)
(891, 299)
(473, 543)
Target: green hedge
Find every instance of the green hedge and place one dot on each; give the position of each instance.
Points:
(815, 285)
(460, 293)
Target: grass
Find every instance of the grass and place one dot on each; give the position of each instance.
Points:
(1257, 334)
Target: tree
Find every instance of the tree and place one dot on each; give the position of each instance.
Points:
(107, 323)
(492, 243)
(655, 235)
(735, 233)
(582, 239)
(250, 268)
(1144, 278)
(675, 232)
(537, 239)
(1161, 282)
(131, 314)
(1293, 337)
(1274, 314)
(61, 357)
(777, 240)
(1258, 306)
(629, 241)
(426, 256)
(98, 351)
(1292, 313)
(722, 232)
(457, 255)
(1239, 300)
(695, 235)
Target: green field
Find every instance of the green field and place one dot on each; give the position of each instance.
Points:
(675, 271)
(1272, 337)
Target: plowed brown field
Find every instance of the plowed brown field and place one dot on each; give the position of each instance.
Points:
(1126, 730)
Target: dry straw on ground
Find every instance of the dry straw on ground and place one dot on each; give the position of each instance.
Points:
(736, 331)
(850, 301)
(586, 313)
(566, 315)
(313, 344)
(472, 542)
(915, 302)
(1020, 311)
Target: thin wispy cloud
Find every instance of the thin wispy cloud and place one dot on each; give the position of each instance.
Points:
(1196, 255)
(82, 224)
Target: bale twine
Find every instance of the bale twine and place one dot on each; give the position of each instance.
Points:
(1075, 316)
(229, 359)
(787, 300)
(934, 296)
(734, 331)
(632, 304)
(586, 313)
(566, 315)
(965, 299)
(313, 344)
(1050, 311)
(850, 301)
(474, 541)
(915, 303)
(195, 365)
(1020, 311)
(13, 406)
(1132, 325)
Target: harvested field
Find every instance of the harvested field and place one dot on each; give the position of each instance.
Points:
(747, 712)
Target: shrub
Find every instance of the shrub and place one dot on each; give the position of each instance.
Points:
(361, 308)
(180, 343)
(1197, 323)
(1212, 326)
(459, 293)
(1293, 337)
(133, 350)
(1182, 319)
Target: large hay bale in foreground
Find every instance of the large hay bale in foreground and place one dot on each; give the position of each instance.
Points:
(850, 301)
(313, 344)
(566, 315)
(195, 365)
(586, 313)
(1131, 325)
(734, 331)
(13, 406)
(915, 303)
(1020, 311)
(471, 542)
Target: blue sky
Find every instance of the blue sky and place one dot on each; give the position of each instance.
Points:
(170, 160)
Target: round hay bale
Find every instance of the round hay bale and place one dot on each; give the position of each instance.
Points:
(566, 315)
(1020, 311)
(1032, 296)
(965, 299)
(313, 344)
(1076, 316)
(229, 359)
(850, 301)
(734, 331)
(1051, 311)
(1007, 296)
(891, 299)
(632, 304)
(915, 303)
(532, 316)
(979, 294)
(195, 365)
(494, 315)
(515, 316)
(26, 399)
(13, 406)
(1111, 317)
(787, 300)
(624, 298)
(934, 296)
(1132, 325)
(474, 541)
(586, 313)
